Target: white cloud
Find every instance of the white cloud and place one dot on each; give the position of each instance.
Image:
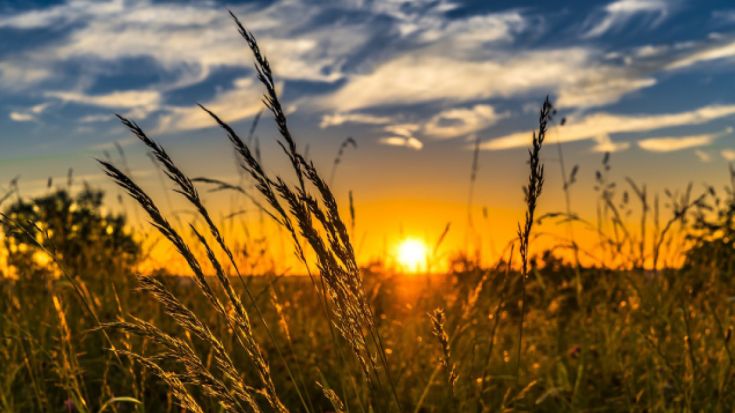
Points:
(728, 154)
(21, 117)
(450, 123)
(95, 118)
(650, 51)
(605, 144)
(17, 74)
(703, 156)
(599, 125)
(601, 86)
(404, 141)
(402, 135)
(337, 119)
(426, 21)
(670, 144)
(60, 14)
(720, 51)
(188, 41)
(456, 61)
(420, 78)
(242, 101)
(30, 114)
(462, 121)
(200, 37)
(40, 108)
(403, 129)
(620, 12)
(127, 99)
(475, 31)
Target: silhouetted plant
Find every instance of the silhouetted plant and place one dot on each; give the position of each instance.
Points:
(75, 229)
(713, 232)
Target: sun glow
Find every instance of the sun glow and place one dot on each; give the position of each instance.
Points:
(412, 255)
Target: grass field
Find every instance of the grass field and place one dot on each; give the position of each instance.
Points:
(81, 330)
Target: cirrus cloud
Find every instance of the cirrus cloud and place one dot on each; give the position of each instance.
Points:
(670, 144)
(602, 125)
(618, 13)
(461, 121)
(422, 78)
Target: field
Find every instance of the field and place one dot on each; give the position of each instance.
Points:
(82, 330)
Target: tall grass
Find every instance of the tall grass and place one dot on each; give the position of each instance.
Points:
(309, 213)
(531, 194)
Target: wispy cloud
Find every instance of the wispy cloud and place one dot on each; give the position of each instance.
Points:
(703, 156)
(17, 74)
(337, 119)
(30, 114)
(605, 144)
(120, 99)
(475, 31)
(706, 53)
(728, 154)
(620, 12)
(419, 78)
(670, 144)
(447, 124)
(461, 121)
(20, 117)
(95, 118)
(192, 36)
(405, 141)
(186, 43)
(402, 135)
(425, 21)
(601, 125)
(60, 14)
(242, 101)
(436, 68)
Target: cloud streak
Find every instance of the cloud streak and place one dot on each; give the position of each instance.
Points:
(402, 135)
(337, 119)
(671, 144)
(620, 12)
(453, 123)
(243, 101)
(422, 78)
(602, 125)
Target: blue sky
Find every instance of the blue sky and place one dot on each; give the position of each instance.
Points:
(404, 72)
(414, 82)
(413, 71)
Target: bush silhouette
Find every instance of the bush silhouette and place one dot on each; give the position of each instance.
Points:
(61, 232)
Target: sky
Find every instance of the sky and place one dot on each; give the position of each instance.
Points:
(416, 84)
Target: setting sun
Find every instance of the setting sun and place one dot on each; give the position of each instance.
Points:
(412, 254)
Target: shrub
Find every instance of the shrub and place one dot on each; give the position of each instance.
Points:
(74, 230)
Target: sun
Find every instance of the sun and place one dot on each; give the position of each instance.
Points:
(412, 255)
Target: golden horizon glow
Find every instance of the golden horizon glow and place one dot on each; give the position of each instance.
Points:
(412, 255)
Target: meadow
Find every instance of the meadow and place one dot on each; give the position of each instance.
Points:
(614, 328)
